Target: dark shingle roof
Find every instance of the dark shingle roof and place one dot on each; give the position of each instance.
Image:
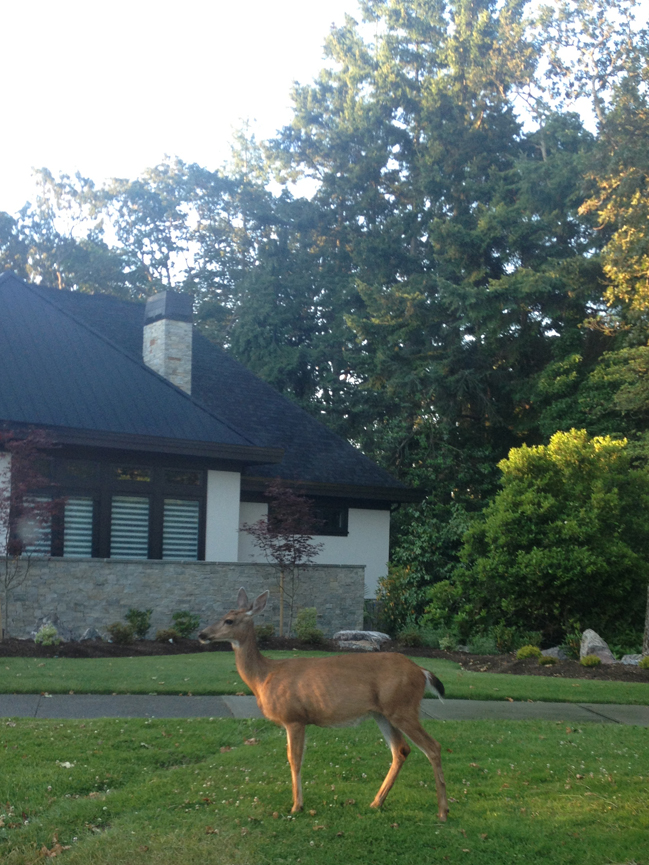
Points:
(241, 400)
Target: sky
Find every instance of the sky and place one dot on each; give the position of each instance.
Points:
(110, 89)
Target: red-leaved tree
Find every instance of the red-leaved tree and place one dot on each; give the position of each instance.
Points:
(285, 537)
(24, 514)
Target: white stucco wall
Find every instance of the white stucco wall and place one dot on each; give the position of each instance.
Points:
(5, 488)
(368, 543)
(222, 516)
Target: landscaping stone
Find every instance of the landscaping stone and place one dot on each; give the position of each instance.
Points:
(368, 641)
(631, 660)
(555, 652)
(593, 644)
(91, 634)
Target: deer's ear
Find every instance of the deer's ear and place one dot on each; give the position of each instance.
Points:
(260, 604)
(242, 600)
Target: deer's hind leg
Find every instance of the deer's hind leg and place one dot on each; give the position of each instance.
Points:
(295, 736)
(433, 750)
(400, 750)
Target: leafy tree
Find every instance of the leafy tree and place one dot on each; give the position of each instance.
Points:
(285, 537)
(565, 539)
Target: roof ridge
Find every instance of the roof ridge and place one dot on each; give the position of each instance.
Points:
(39, 291)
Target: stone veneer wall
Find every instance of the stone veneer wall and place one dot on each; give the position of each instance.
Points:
(83, 593)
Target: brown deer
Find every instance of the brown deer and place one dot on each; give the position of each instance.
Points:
(333, 691)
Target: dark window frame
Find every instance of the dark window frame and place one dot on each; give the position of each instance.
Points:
(104, 485)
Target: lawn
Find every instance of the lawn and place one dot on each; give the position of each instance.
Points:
(119, 792)
(215, 673)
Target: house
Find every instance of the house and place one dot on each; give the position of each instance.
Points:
(164, 448)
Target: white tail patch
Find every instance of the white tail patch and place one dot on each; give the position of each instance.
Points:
(430, 684)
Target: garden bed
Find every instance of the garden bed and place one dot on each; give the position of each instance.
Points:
(507, 664)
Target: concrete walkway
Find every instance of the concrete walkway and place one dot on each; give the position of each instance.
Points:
(144, 706)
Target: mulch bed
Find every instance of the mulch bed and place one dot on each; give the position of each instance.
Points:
(12, 648)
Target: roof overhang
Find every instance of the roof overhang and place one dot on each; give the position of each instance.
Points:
(244, 454)
(345, 491)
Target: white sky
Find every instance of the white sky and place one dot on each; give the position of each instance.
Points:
(109, 89)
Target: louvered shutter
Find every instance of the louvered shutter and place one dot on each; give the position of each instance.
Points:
(77, 527)
(180, 529)
(129, 528)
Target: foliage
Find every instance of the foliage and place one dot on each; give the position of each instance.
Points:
(165, 635)
(306, 628)
(448, 643)
(121, 633)
(590, 661)
(265, 632)
(567, 537)
(47, 635)
(140, 620)
(571, 644)
(401, 597)
(644, 663)
(410, 637)
(547, 661)
(185, 623)
(528, 652)
(482, 644)
(285, 537)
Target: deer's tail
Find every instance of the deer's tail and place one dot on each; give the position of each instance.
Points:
(433, 684)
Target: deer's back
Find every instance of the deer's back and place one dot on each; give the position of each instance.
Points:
(341, 688)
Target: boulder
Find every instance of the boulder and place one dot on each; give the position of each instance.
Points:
(91, 634)
(375, 639)
(358, 645)
(555, 652)
(593, 644)
(631, 660)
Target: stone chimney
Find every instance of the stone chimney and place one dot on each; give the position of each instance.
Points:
(167, 345)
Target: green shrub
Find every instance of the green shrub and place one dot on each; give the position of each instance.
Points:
(448, 643)
(644, 663)
(443, 599)
(626, 642)
(140, 620)
(528, 652)
(185, 623)
(401, 597)
(410, 637)
(166, 634)
(572, 641)
(590, 661)
(47, 636)
(121, 633)
(547, 661)
(264, 632)
(306, 626)
(504, 637)
(482, 644)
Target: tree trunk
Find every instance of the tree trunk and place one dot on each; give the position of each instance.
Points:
(645, 641)
(281, 603)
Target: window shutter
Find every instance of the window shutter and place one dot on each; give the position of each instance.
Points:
(180, 529)
(77, 527)
(35, 527)
(129, 531)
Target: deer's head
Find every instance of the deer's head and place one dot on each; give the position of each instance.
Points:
(236, 625)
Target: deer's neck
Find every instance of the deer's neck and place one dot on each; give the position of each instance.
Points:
(252, 666)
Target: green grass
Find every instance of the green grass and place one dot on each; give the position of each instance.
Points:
(215, 673)
(124, 792)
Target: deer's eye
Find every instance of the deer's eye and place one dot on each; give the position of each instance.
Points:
(229, 621)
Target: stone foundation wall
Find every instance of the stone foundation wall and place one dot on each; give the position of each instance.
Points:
(83, 593)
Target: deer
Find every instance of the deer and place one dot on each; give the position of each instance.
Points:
(333, 691)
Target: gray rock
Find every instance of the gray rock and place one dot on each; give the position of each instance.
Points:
(358, 645)
(555, 652)
(631, 660)
(91, 634)
(593, 644)
(361, 635)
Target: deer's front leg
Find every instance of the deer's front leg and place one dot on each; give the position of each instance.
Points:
(295, 735)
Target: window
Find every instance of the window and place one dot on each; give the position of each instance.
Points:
(122, 510)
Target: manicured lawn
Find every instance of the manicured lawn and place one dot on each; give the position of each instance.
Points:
(166, 792)
(215, 673)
